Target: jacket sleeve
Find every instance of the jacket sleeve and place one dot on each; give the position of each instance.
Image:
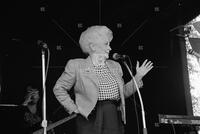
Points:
(64, 84)
(130, 87)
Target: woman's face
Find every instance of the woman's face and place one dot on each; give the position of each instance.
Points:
(35, 97)
(103, 48)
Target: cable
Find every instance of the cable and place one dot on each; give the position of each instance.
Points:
(173, 128)
(47, 65)
(134, 101)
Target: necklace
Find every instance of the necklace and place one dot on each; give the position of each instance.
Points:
(98, 60)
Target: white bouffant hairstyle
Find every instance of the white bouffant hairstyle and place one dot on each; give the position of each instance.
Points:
(94, 34)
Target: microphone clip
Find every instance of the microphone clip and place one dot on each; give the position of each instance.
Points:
(117, 56)
(42, 44)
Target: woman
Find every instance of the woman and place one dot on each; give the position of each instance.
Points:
(99, 89)
(32, 112)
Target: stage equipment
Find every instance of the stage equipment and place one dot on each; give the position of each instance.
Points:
(179, 119)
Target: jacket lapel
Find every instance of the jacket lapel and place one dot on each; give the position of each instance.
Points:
(114, 71)
(89, 69)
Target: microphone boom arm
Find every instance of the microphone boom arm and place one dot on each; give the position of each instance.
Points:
(140, 98)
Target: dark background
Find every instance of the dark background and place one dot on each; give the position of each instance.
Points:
(142, 29)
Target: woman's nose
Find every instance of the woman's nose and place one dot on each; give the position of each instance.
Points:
(109, 48)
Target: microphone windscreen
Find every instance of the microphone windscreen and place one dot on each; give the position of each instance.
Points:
(115, 56)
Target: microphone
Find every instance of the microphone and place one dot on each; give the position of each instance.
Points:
(117, 56)
(42, 44)
(191, 51)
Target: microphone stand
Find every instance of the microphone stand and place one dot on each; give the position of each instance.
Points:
(140, 98)
(44, 122)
